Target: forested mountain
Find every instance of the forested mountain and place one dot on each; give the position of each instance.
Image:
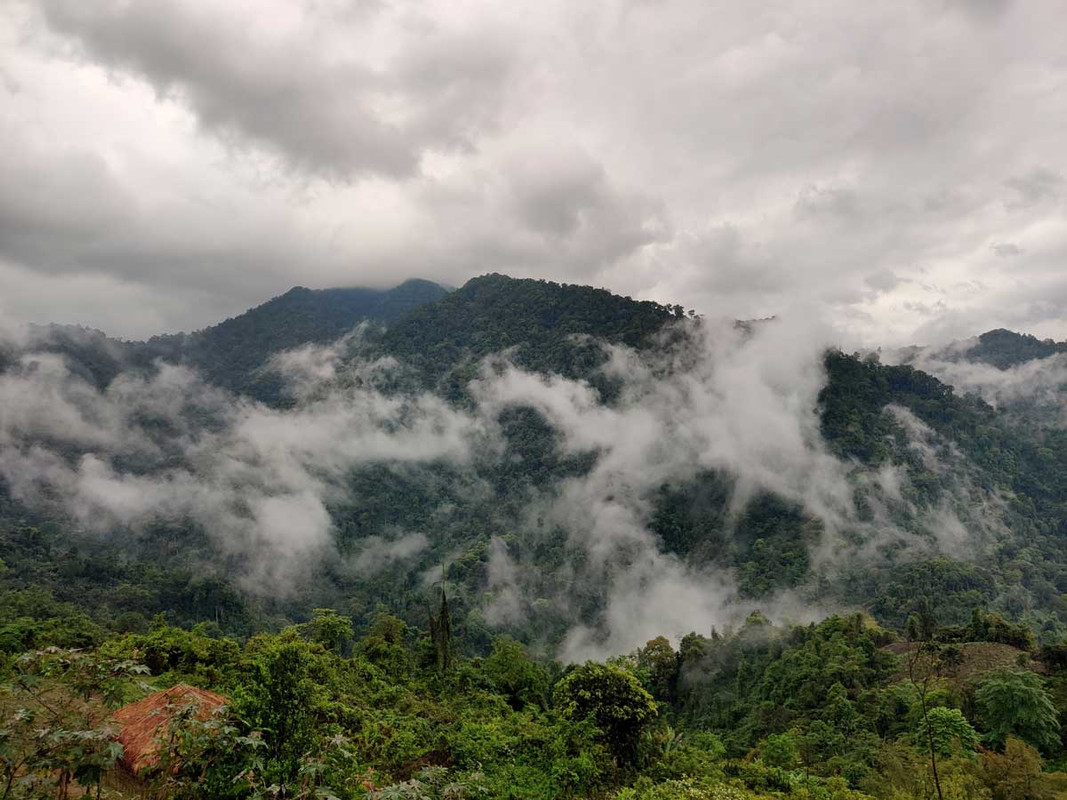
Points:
(233, 353)
(584, 473)
(1004, 349)
(230, 353)
(555, 329)
(949, 451)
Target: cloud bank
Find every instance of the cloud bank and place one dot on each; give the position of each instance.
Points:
(264, 484)
(1039, 381)
(259, 481)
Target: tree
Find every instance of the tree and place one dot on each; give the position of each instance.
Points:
(280, 697)
(1016, 703)
(1015, 774)
(919, 659)
(613, 699)
(433, 783)
(330, 629)
(441, 634)
(662, 663)
(515, 675)
(383, 645)
(51, 735)
(839, 711)
(780, 750)
(216, 757)
(197, 757)
(949, 731)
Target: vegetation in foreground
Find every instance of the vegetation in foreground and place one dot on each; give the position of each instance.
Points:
(841, 710)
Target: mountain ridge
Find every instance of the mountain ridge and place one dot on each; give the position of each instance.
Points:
(946, 452)
(341, 308)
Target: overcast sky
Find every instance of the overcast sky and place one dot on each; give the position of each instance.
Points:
(899, 167)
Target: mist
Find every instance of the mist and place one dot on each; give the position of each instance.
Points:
(1039, 381)
(262, 482)
(258, 480)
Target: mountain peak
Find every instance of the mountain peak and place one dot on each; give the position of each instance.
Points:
(232, 352)
(1003, 349)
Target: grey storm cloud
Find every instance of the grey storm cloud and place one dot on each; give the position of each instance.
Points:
(333, 111)
(1036, 186)
(170, 162)
(1006, 249)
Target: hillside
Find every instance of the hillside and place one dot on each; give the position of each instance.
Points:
(230, 353)
(547, 324)
(524, 461)
(1003, 349)
(514, 474)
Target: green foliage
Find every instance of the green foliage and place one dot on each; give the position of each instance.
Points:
(52, 735)
(768, 542)
(813, 712)
(780, 750)
(687, 789)
(951, 733)
(660, 664)
(766, 680)
(1017, 704)
(612, 699)
(1004, 349)
(982, 447)
(234, 352)
(441, 635)
(433, 783)
(901, 771)
(544, 320)
(384, 644)
(1015, 774)
(330, 629)
(66, 591)
(279, 696)
(683, 753)
(167, 650)
(203, 757)
(750, 781)
(988, 627)
(512, 672)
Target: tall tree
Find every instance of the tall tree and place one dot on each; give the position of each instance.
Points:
(1016, 703)
(441, 634)
(613, 699)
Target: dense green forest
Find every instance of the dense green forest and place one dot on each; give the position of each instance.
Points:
(542, 453)
(839, 709)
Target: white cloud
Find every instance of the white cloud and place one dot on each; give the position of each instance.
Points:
(1039, 380)
(375, 553)
(739, 402)
(258, 480)
(261, 482)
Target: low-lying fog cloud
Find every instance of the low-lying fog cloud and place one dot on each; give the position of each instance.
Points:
(261, 481)
(1039, 380)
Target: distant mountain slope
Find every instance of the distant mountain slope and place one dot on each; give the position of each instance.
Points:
(1014, 372)
(91, 354)
(1003, 348)
(998, 348)
(916, 462)
(230, 353)
(544, 321)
